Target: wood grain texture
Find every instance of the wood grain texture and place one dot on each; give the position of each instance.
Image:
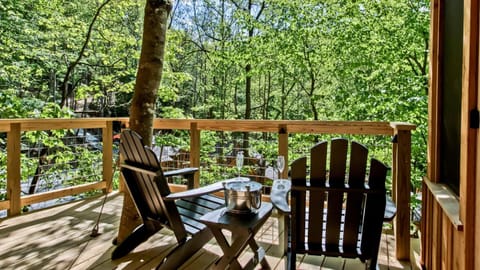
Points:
(430, 246)
(426, 229)
(437, 218)
(469, 135)
(436, 239)
(447, 200)
(195, 146)
(107, 157)
(59, 193)
(293, 126)
(436, 33)
(402, 191)
(5, 125)
(14, 170)
(447, 243)
(63, 232)
(4, 204)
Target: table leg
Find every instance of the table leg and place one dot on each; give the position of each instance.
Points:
(230, 252)
(243, 230)
(259, 253)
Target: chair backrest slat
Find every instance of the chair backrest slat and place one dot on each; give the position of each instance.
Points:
(318, 170)
(144, 193)
(358, 165)
(298, 174)
(338, 161)
(134, 151)
(355, 200)
(375, 203)
(318, 164)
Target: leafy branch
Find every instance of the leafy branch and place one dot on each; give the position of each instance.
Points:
(72, 65)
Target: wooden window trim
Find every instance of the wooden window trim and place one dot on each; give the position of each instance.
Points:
(448, 201)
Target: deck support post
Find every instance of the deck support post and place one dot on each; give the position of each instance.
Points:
(195, 145)
(401, 188)
(14, 169)
(283, 147)
(107, 157)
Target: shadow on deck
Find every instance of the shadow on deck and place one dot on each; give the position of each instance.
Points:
(59, 238)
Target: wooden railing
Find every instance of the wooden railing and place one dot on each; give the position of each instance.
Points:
(14, 128)
(401, 150)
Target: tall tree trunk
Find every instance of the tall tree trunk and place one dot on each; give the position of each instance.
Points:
(312, 98)
(248, 104)
(248, 70)
(142, 109)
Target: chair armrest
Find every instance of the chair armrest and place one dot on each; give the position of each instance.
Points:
(180, 172)
(278, 196)
(390, 209)
(201, 190)
(186, 173)
(195, 192)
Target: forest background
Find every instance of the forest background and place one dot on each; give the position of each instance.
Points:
(225, 59)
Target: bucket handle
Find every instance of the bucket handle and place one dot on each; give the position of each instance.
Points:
(254, 200)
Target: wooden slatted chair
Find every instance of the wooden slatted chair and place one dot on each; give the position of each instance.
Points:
(159, 208)
(334, 212)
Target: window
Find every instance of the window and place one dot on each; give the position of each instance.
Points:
(451, 93)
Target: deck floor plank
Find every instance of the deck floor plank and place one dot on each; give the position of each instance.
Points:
(59, 238)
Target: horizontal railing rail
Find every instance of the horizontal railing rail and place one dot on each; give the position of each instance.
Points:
(401, 154)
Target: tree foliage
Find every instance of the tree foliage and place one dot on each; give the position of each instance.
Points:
(227, 59)
(41, 39)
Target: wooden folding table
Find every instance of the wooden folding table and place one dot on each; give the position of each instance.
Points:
(243, 228)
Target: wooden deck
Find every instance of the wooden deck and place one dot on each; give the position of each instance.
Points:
(59, 238)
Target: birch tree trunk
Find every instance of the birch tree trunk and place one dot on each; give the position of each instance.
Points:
(142, 108)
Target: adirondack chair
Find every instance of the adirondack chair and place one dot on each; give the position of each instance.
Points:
(159, 208)
(329, 214)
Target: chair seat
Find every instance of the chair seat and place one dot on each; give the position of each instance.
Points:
(192, 209)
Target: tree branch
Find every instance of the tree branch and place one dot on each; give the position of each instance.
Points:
(73, 64)
(260, 11)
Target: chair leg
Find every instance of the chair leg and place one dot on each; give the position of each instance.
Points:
(373, 261)
(373, 265)
(291, 260)
(138, 236)
(181, 253)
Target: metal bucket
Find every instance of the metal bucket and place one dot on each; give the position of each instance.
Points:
(243, 197)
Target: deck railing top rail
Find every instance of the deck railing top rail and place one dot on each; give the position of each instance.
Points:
(294, 126)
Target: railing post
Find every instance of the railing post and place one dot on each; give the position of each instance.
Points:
(195, 151)
(107, 137)
(283, 147)
(121, 182)
(401, 194)
(14, 169)
(394, 166)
